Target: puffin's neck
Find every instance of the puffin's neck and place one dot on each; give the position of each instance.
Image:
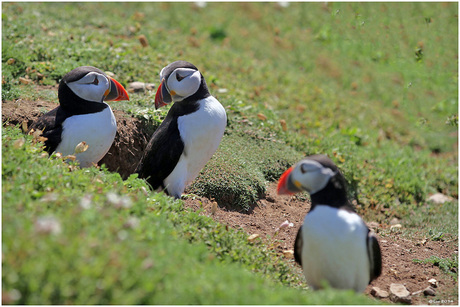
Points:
(333, 194)
(183, 107)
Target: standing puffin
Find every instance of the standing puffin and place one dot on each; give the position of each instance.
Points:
(333, 244)
(190, 133)
(82, 115)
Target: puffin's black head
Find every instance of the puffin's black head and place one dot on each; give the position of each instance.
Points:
(88, 84)
(180, 81)
(317, 175)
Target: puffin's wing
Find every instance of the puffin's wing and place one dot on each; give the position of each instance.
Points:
(375, 256)
(161, 154)
(298, 247)
(51, 125)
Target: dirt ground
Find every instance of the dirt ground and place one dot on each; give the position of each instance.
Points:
(126, 150)
(397, 251)
(267, 215)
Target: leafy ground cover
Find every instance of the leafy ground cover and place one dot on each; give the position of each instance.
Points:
(373, 85)
(403, 242)
(85, 236)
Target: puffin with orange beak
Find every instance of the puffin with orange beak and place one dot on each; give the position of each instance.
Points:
(333, 245)
(82, 115)
(189, 135)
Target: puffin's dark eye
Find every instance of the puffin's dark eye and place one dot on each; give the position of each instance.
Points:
(179, 77)
(96, 81)
(303, 168)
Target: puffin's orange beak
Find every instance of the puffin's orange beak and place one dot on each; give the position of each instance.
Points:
(162, 97)
(117, 91)
(283, 182)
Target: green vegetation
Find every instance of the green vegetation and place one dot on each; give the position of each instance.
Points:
(246, 159)
(447, 265)
(440, 220)
(85, 236)
(372, 85)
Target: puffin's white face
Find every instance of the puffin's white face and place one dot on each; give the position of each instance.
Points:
(92, 87)
(182, 83)
(310, 176)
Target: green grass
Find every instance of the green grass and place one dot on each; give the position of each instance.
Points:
(372, 85)
(237, 174)
(440, 220)
(84, 236)
(447, 265)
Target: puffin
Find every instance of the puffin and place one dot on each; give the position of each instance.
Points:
(188, 136)
(82, 115)
(333, 245)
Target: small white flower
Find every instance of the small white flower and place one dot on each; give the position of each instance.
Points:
(147, 263)
(132, 222)
(14, 294)
(47, 225)
(122, 235)
(200, 4)
(283, 3)
(119, 201)
(50, 197)
(113, 198)
(85, 201)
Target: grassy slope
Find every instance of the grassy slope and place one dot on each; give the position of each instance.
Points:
(84, 236)
(369, 84)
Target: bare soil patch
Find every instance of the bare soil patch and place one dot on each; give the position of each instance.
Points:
(398, 252)
(124, 154)
(268, 213)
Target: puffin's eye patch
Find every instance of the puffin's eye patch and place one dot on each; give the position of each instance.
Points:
(96, 81)
(179, 77)
(303, 168)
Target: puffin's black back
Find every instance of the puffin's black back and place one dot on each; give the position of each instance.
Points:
(69, 104)
(161, 154)
(166, 146)
(51, 125)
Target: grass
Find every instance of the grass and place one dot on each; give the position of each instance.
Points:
(441, 221)
(84, 236)
(372, 85)
(447, 265)
(397, 69)
(236, 175)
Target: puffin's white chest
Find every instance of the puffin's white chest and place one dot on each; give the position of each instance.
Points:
(201, 132)
(97, 130)
(334, 249)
